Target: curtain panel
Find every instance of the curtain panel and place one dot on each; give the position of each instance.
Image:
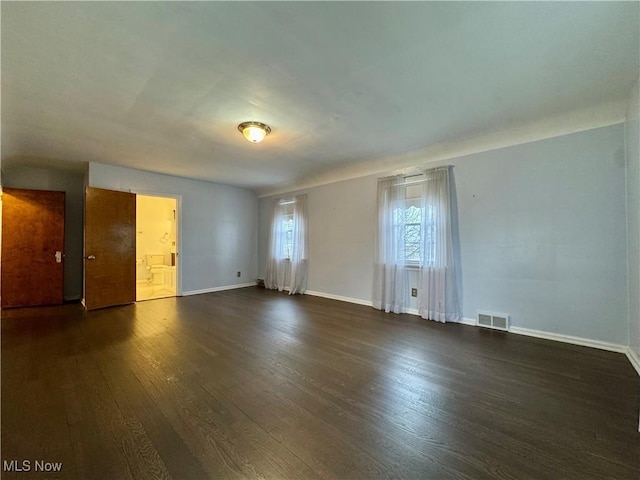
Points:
(390, 275)
(298, 260)
(437, 288)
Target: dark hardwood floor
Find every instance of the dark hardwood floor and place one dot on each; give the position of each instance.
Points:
(251, 384)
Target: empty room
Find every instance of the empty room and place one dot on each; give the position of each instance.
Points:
(337, 240)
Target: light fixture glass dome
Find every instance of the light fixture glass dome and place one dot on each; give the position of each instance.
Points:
(254, 131)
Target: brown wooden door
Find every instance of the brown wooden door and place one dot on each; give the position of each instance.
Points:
(109, 248)
(32, 247)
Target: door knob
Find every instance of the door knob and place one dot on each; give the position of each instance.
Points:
(58, 256)
(91, 257)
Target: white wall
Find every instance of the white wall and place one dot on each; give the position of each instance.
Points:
(72, 183)
(219, 234)
(543, 234)
(542, 228)
(341, 230)
(632, 137)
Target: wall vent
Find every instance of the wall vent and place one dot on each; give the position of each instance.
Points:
(497, 321)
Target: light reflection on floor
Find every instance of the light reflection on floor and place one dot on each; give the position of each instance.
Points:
(148, 292)
(409, 382)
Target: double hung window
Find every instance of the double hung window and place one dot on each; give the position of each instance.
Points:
(415, 229)
(286, 244)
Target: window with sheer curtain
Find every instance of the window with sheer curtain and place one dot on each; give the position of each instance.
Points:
(414, 224)
(287, 251)
(416, 234)
(287, 234)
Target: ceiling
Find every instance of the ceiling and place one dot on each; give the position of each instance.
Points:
(347, 87)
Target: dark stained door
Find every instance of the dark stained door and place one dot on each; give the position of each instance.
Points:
(109, 248)
(32, 247)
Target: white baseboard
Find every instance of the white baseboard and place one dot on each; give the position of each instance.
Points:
(331, 296)
(635, 361)
(369, 303)
(559, 337)
(217, 289)
(469, 321)
(463, 320)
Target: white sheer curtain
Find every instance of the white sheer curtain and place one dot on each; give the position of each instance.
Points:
(415, 241)
(298, 260)
(437, 290)
(390, 276)
(275, 269)
(287, 251)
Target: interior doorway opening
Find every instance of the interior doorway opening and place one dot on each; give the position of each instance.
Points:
(156, 247)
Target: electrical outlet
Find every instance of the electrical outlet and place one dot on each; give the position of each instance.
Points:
(414, 292)
(238, 274)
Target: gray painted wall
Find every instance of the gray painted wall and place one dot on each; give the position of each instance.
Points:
(542, 229)
(543, 234)
(632, 136)
(72, 183)
(341, 229)
(219, 224)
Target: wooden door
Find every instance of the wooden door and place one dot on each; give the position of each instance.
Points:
(109, 248)
(32, 248)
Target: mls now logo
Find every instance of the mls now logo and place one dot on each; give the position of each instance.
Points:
(27, 466)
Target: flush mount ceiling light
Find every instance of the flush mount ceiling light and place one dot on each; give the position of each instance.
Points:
(254, 131)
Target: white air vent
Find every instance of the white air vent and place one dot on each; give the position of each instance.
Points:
(498, 321)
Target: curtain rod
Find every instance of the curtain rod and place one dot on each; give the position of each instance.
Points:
(421, 175)
(399, 175)
(413, 182)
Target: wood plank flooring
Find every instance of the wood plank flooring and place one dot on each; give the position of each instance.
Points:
(254, 384)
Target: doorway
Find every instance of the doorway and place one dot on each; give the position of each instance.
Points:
(157, 261)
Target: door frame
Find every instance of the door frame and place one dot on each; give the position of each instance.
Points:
(178, 199)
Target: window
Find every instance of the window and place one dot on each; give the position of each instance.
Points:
(287, 236)
(415, 238)
(408, 230)
(285, 217)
